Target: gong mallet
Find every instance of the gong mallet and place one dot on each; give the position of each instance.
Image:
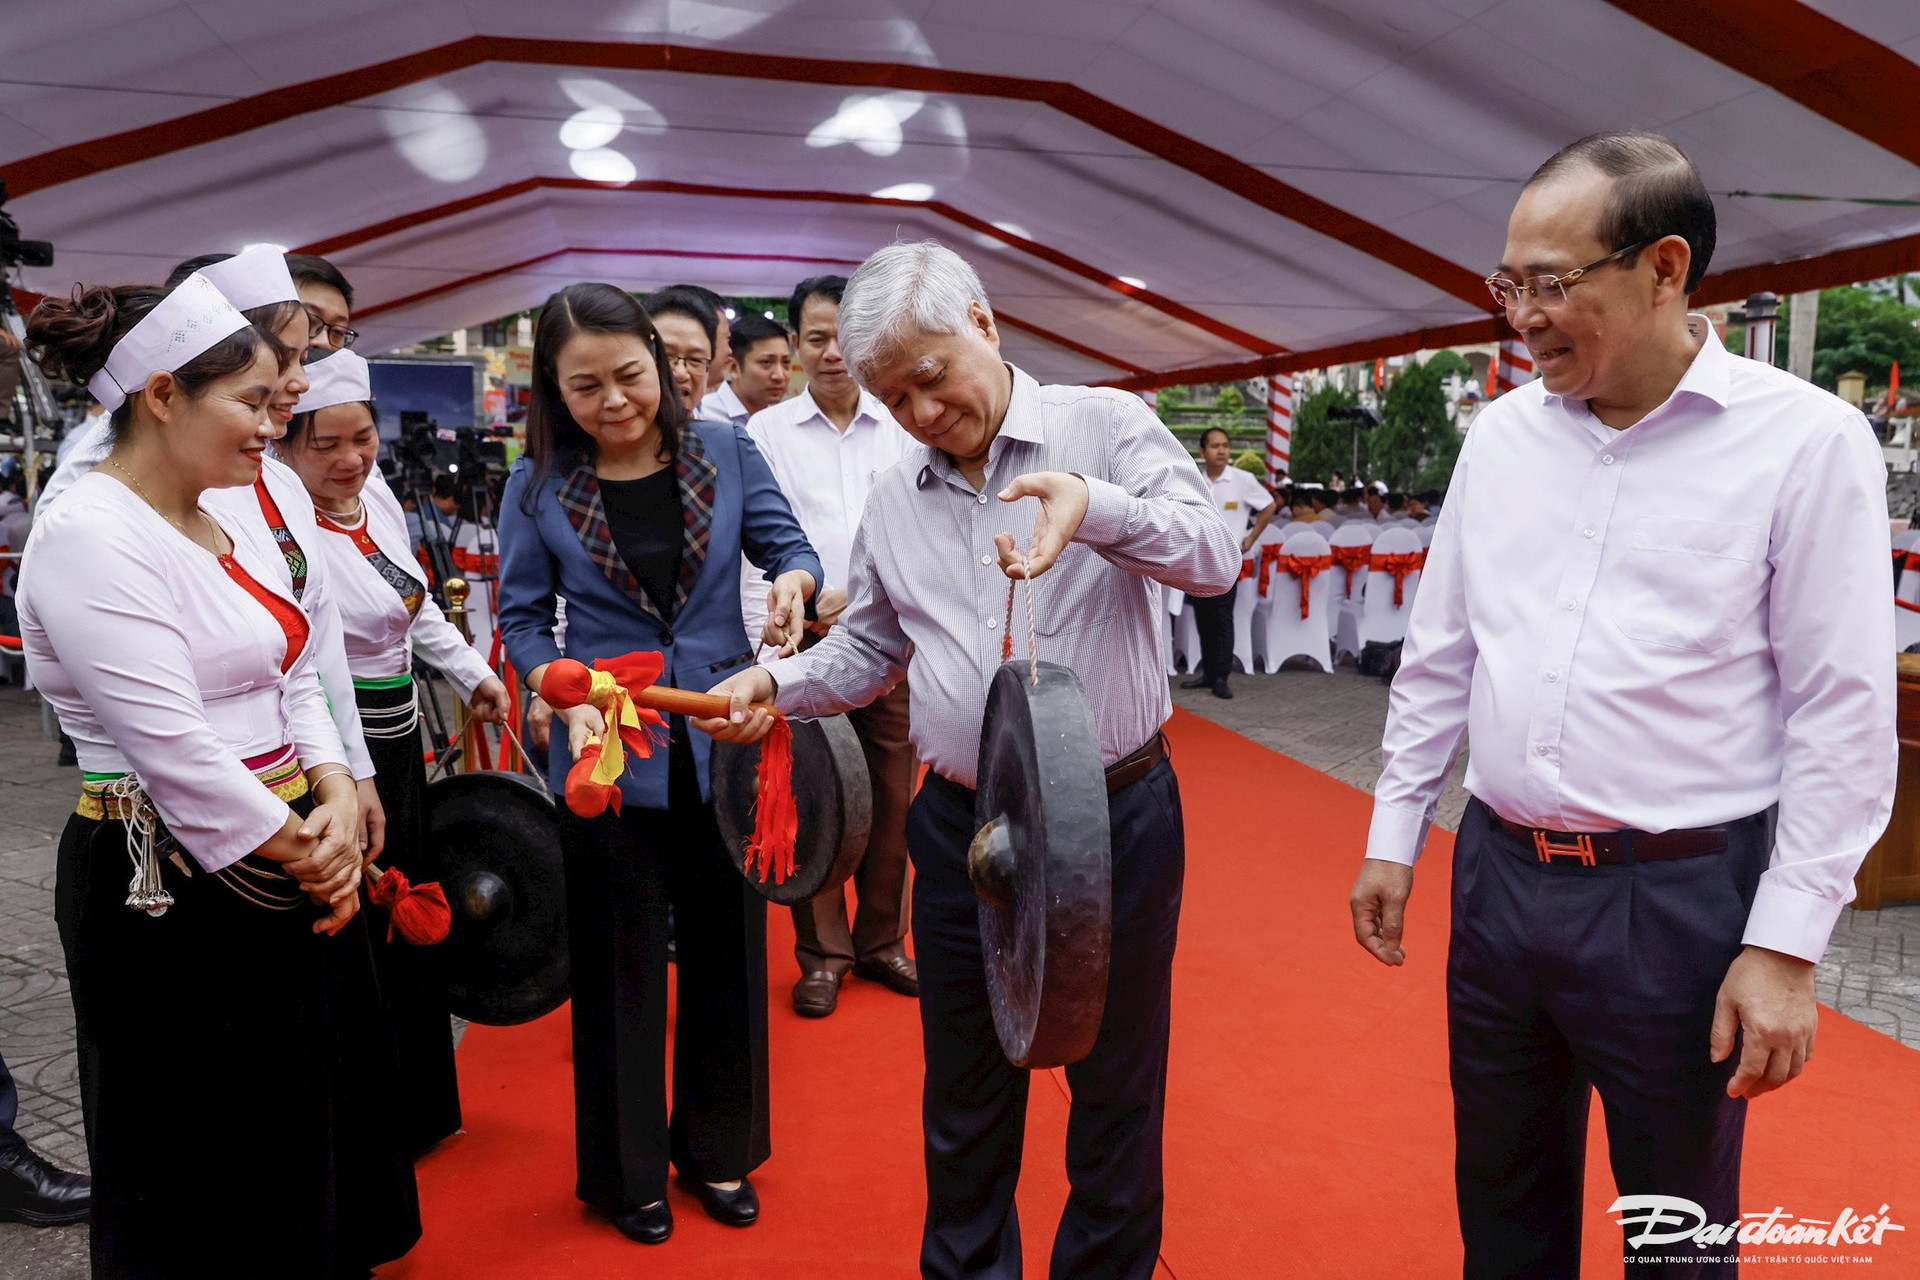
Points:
(624, 691)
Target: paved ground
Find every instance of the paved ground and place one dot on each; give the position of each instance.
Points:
(1332, 723)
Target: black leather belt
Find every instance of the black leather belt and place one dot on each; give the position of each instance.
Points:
(1615, 848)
(1130, 769)
(1121, 773)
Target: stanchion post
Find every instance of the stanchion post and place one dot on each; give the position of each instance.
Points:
(457, 591)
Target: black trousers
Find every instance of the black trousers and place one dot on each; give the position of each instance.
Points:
(975, 1102)
(413, 980)
(236, 1075)
(1213, 619)
(822, 939)
(9, 1106)
(622, 873)
(1563, 978)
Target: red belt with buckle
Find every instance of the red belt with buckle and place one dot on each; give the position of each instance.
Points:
(1613, 848)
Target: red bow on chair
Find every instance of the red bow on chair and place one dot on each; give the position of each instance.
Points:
(1246, 570)
(1353, 560)
(1269, 556)
(1399, 564)
(1306, 569)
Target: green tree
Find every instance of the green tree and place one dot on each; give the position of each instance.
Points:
(1415, 444)
(1230, 404)
(1320, 447)
(1450, 364)
(1859, 330)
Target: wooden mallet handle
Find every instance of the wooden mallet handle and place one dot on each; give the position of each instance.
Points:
(705, 706)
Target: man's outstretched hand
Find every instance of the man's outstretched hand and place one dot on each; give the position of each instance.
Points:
(1379, 904)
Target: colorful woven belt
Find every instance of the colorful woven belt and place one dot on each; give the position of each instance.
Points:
(278, 771)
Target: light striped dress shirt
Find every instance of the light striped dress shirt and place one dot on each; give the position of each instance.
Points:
(926, 595)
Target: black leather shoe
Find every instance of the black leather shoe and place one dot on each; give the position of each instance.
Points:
(36, 1193)
(1198, 682)
(816, 995)
(895, 972)
(649, 1225)
(1221, 689)
(737, 1208)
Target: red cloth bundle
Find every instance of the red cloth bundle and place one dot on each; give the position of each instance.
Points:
(419, 911)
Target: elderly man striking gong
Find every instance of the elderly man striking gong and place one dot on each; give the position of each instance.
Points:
(1084, 485)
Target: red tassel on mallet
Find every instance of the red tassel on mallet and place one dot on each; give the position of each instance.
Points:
(776, 818)
(419, 911)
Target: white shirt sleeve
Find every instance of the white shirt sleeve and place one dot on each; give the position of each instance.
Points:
(327, 645)
(124, 647)
(439, 642)
(1830, 622)
(1427, 710)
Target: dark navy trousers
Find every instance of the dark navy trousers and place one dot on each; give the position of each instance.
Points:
(1563, 978)
(9, 1106)
(975, 1103)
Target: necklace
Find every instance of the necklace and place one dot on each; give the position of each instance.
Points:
(147, 498)
(358, 504)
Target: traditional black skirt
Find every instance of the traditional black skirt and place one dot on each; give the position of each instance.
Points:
(234, 1074)
(413, 979)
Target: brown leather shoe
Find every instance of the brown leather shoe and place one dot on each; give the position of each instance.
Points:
(895, 972)
(815, 995)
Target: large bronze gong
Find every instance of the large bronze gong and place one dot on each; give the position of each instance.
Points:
(831, 790)
(497, 841)
(1042, 865)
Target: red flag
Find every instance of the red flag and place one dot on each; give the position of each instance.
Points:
(1380, 374)
(1893, 388)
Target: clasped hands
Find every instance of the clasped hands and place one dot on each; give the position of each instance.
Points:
(322, 852)
(1766, 997)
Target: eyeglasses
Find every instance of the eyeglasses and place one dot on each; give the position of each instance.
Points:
(338, 334)
(692, 364)
(1550, 291)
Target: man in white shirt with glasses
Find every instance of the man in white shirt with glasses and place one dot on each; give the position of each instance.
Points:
(1657, 603)
(825, 446)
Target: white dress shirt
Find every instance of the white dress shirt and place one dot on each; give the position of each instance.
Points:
(1237, 496)
(826, 474)
(379, 632)
(723, 405)
(158, 662)
(1671, 626)
(927, 597)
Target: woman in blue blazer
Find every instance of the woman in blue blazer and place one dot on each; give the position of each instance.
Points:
(637, 518)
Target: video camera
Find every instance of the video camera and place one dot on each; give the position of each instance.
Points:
(15, 252)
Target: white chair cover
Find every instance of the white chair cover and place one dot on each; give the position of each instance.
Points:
(1292, 527)
(1346, 602)
(1907, 584)
(1379, 618)
(1256, 605)
(1290, 635)
(1424, 533)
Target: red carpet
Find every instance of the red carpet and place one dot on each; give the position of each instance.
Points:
(1309, 1129)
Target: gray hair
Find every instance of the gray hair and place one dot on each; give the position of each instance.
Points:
(905, 288)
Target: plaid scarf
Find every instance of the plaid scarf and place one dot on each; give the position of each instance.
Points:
(694, 473)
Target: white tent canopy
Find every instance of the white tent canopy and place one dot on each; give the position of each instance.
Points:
(1152, 191)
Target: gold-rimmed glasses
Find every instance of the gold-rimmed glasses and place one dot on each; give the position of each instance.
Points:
(1550, 291)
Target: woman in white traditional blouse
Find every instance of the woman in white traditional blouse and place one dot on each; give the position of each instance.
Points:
(231, 1045)
(386, 613)
(259, 285)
